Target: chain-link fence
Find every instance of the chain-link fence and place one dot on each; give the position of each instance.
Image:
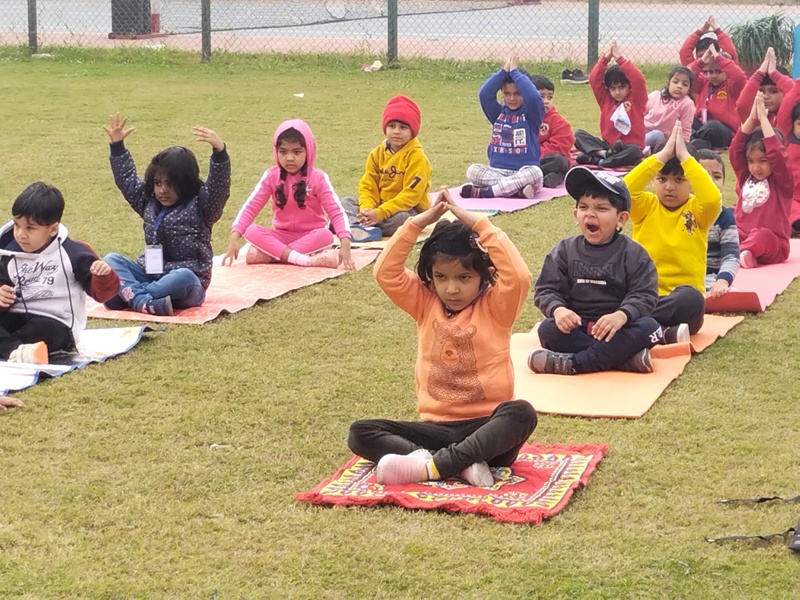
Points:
(457, 29)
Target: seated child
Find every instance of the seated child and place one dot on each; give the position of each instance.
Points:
(470, 284)
(513, 149)
(718, 83)
(178, 211)
(771, 80)
(789, 124)
(596, 289)
(722, 258)
(44, 278)
(301, 197)
(672, 225)
(396, 178)
(555, 136)
(709, 34)
(766, 186)
(621, 93)
(671, 103)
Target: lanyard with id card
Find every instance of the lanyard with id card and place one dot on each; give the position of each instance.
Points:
(154, 253)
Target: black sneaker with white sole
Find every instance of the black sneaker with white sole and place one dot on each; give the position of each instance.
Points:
(573, 77)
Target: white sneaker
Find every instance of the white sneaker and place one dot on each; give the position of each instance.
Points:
(394, 469)
(478, 474)
(30, 353)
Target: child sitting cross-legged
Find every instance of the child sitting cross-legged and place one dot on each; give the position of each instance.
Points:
(397, 176)
(766, 185)
(672, 225)
(44, 279)
(513, 149)
(469, 286)
(621, 93)
(596, 289)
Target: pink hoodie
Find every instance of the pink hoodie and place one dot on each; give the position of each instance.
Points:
(320, 198)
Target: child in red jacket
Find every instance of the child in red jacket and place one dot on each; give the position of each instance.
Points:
(766, 183)
(771, 80)
(709, 34)
(718, 81)
(621, 93)
(555, 136)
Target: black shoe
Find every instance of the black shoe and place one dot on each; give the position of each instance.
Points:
(586, 159)
(676, 333)
(466, 191)
(638, 363)
(552, 180)
(547, 361)
(573, 77)
(796, 228)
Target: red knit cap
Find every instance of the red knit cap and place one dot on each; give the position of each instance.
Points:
(401, 108)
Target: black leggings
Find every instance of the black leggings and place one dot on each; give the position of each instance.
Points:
(455, 445)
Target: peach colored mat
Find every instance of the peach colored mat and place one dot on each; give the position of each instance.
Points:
(238, 287)
(610, 393)
(753, 290)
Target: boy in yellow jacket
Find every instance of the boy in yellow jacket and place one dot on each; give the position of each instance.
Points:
(396, 179)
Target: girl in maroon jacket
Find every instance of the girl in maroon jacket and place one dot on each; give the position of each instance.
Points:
(766, 186)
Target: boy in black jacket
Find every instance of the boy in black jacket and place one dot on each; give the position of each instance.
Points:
(596, 289)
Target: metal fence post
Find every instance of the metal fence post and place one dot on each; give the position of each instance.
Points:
(205, 30)
(33, 44)
(594, 33)
(391, 50)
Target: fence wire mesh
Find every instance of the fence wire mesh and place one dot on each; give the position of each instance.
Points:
(457, 29)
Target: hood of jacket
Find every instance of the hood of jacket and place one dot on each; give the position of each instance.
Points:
(304, 130)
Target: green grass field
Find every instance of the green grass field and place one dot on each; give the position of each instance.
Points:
(110, 486)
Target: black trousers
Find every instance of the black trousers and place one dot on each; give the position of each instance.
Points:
(684, 304)
(21, 328)
(715, 133)
(554, 162)
(619, 155)
(599, 355)
(455, 445)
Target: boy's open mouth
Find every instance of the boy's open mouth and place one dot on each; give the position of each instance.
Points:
(593, 227)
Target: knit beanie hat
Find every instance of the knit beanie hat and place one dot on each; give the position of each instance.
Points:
(402, 108)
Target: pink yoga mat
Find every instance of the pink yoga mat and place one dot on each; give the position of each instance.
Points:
(238, 287)
(502, 204)
(753, 290)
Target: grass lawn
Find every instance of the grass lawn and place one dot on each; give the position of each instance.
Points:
(110, 486)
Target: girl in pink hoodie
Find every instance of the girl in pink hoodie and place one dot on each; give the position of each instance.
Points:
(302, 202)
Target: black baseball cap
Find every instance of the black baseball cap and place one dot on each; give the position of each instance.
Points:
(580, 180)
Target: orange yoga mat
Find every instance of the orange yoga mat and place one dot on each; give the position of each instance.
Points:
(609, 393)
(753, 290)
(237, 287)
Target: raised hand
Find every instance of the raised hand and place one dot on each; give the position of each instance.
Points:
(116, 128)
(462, 214)
(204, 134)
(614, 49)
(710, 24)
(668, 151)
(512, 62)
(434, 212)
(681, 151)
(708, 55)
(761, 109)
(772, 60)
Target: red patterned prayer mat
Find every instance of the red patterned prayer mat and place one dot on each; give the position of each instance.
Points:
(537, 486)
